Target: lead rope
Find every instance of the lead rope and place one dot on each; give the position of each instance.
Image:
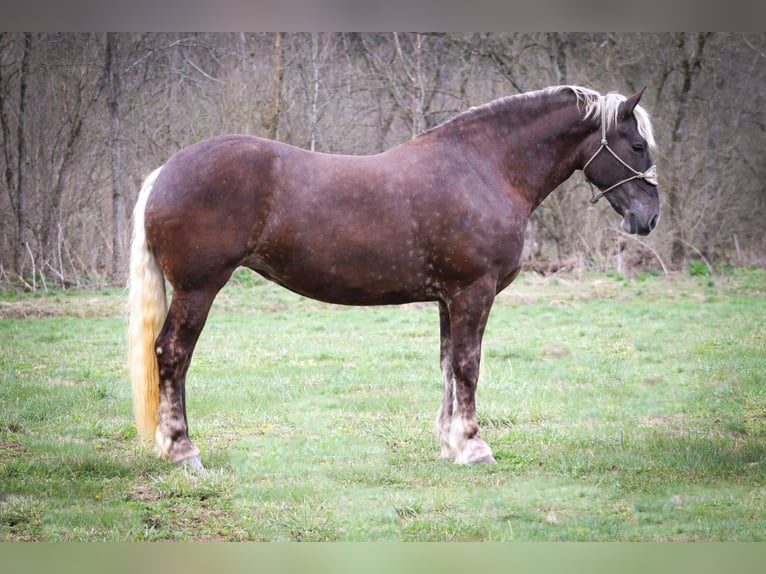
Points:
(650, 175)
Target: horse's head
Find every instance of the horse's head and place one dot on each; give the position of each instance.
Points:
(619, 163)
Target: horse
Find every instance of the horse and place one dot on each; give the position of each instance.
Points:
(439, 218)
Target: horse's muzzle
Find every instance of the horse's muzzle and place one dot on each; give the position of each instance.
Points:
(633, 225)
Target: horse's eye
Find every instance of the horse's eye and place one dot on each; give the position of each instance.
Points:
(638, 146)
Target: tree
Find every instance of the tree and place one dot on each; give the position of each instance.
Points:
(113, 88)
(15, 150)
(272, 121)
(408, 68)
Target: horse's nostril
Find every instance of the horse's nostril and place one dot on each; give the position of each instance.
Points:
(653, 222)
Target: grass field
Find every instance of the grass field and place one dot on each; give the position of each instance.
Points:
(618, 409)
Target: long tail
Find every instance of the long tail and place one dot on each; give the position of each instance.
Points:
(148, 308)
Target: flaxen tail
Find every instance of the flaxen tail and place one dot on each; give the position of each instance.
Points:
(148, 307)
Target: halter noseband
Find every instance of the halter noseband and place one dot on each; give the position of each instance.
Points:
(650, 175)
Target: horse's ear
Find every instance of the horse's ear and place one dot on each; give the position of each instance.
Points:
(627, 107)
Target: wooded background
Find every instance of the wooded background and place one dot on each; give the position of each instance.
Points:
(85, 117)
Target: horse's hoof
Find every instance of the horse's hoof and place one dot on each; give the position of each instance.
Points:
(447, 453)
(476, 451)
(191, 462)
(489, 459)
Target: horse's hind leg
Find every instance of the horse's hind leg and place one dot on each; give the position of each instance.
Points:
(174, 347)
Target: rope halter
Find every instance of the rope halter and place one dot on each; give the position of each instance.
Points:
(649, 176)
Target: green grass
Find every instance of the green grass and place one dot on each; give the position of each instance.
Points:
(618, 409)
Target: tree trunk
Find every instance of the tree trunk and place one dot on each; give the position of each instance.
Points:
(21, 160)
(10, 179)
(558, 57)
(314, 112)
(413, 70)
(690, 66)
(112, 74)
(272, 121)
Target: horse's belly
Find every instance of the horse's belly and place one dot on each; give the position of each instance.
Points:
(345, 280)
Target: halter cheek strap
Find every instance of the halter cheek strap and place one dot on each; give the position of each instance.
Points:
(650, 175)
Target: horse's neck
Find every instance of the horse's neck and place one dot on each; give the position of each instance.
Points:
(532, 141)
(546, 154)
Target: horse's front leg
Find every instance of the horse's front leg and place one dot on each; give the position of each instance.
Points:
(446, 408)
(174, 348)
(468, 312)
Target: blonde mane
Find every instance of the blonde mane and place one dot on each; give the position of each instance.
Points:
(597, 107)
(606, 109)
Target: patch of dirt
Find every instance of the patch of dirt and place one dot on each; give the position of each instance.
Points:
(555, 351)
(208, 522)
(66, 306)
(10, 448)
(144, 493)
